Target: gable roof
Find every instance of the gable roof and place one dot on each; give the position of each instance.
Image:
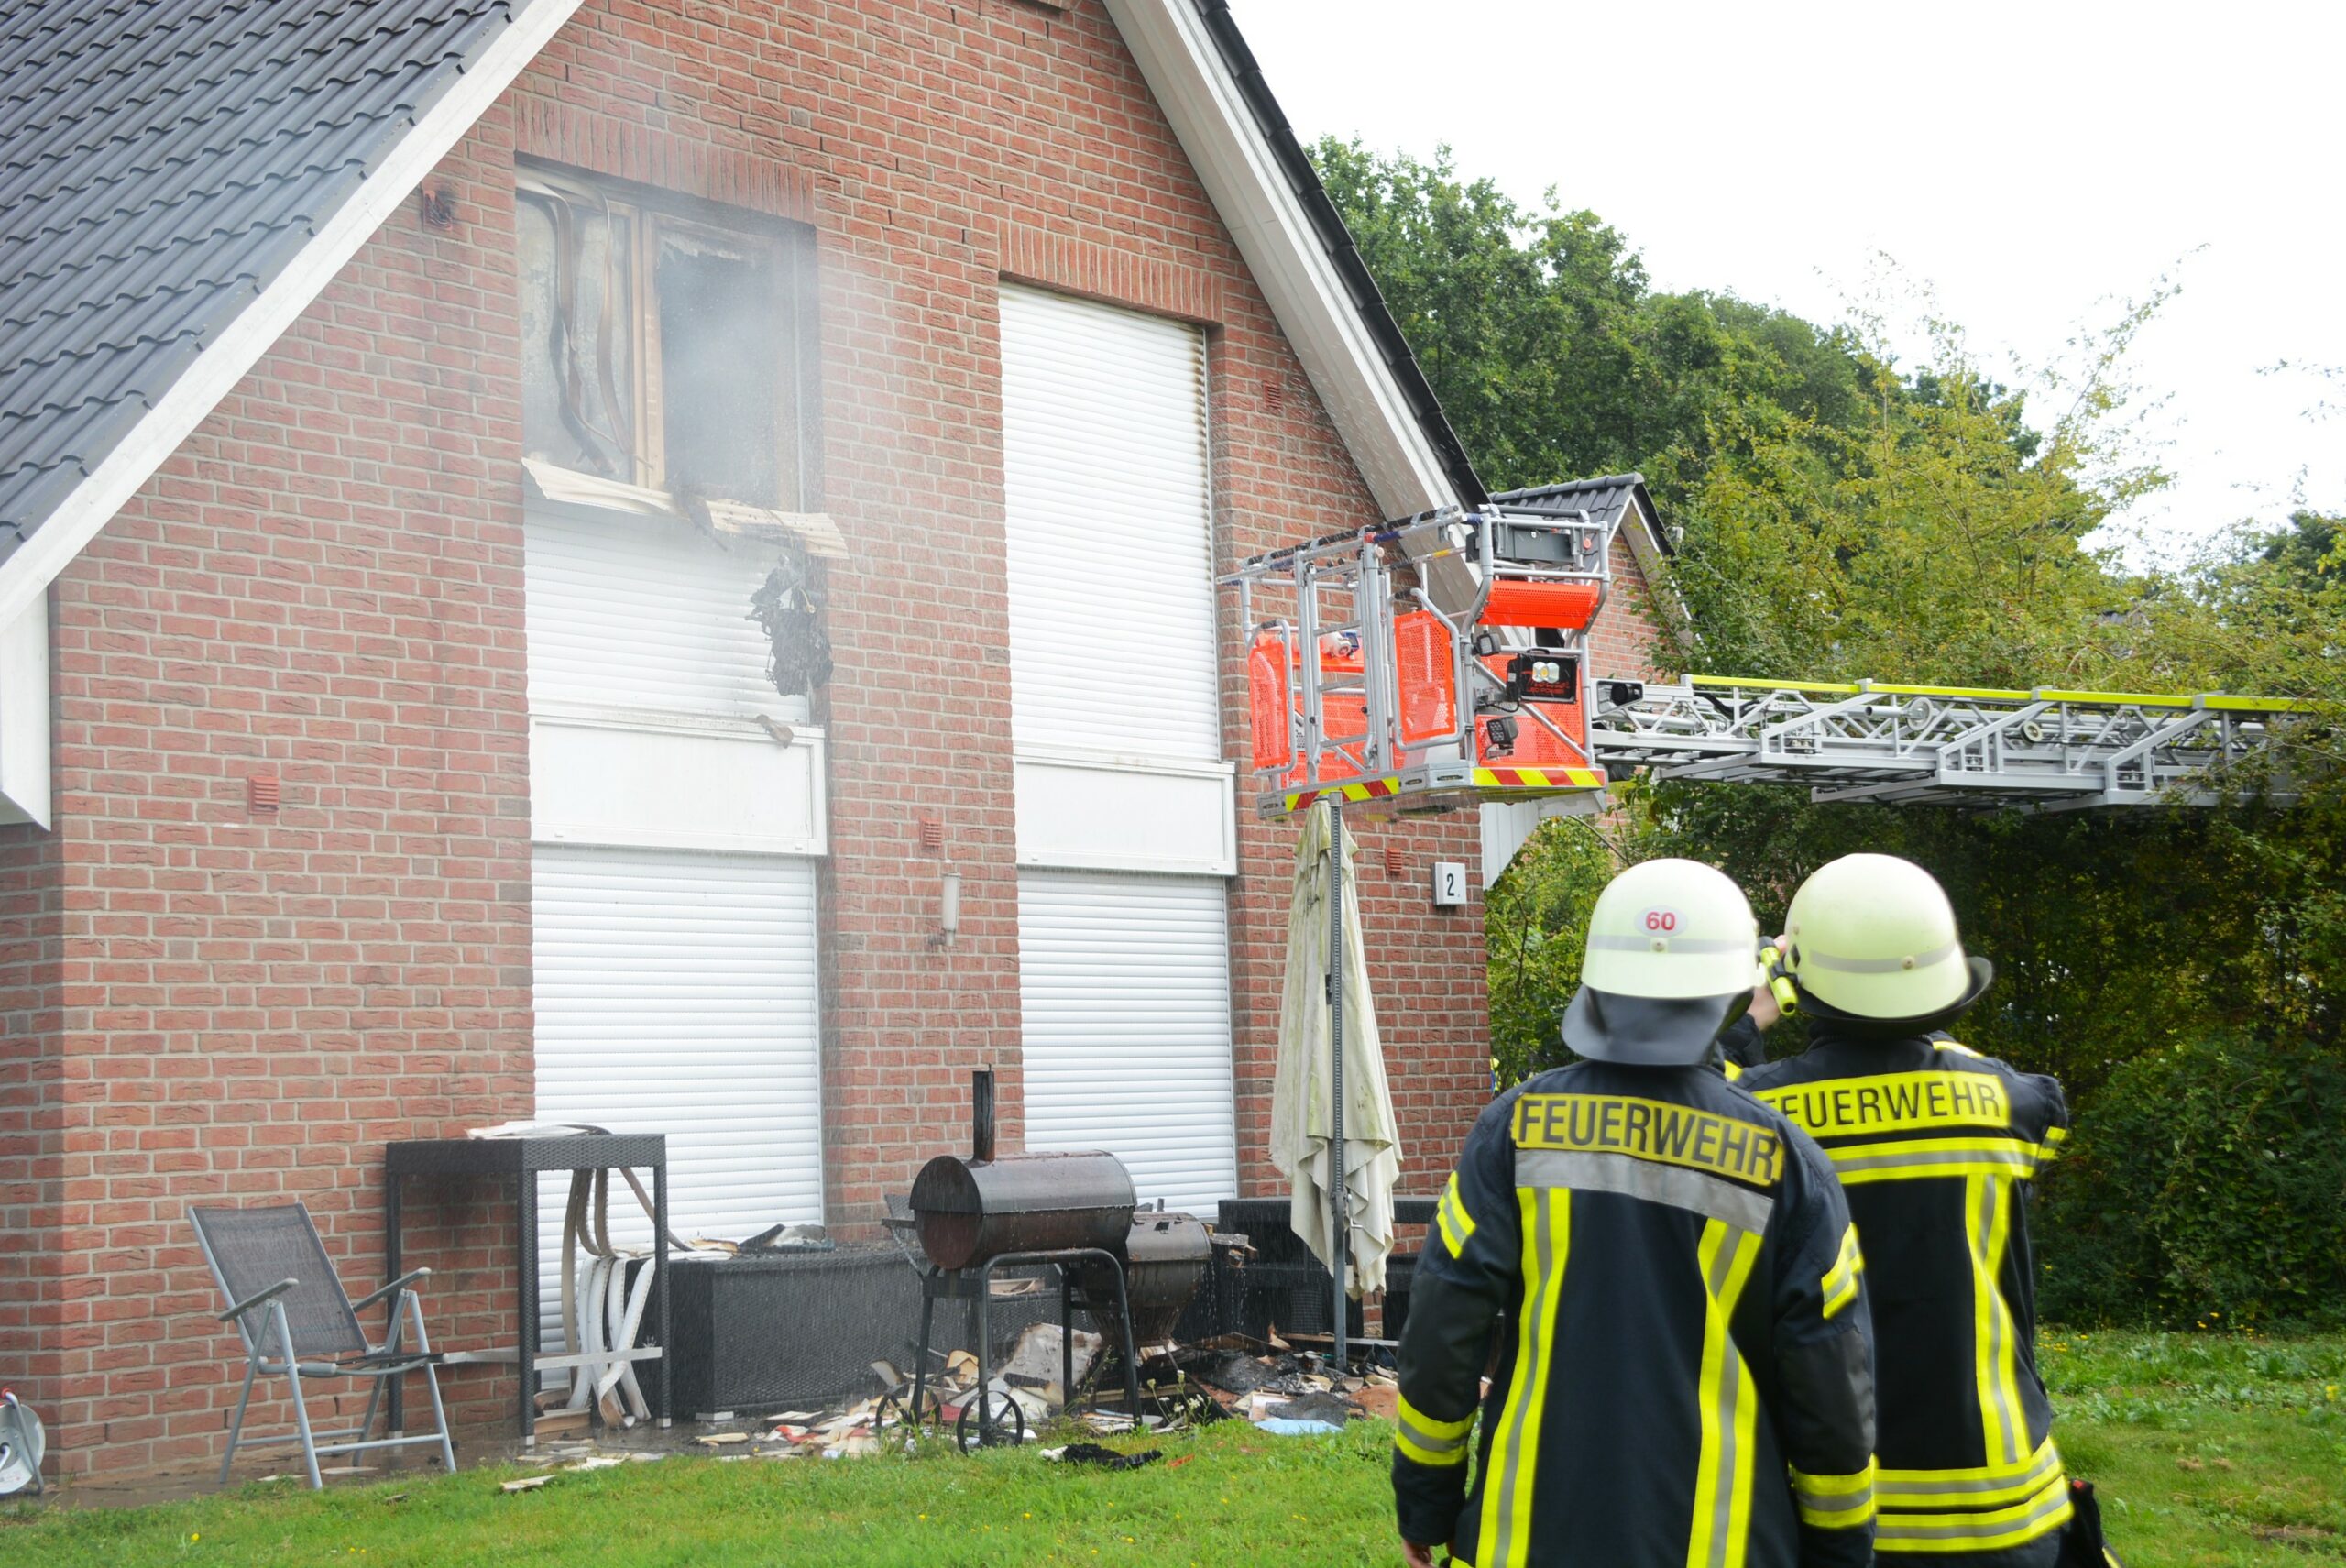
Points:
(178, 179)
(1211, 92)
(1336, 240)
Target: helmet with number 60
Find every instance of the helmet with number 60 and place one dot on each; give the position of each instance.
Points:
(1672, 947)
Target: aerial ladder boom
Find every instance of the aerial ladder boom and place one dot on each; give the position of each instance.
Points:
(1372, 676)
(2049, 750)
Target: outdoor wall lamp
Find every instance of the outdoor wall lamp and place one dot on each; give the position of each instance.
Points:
(948, 908)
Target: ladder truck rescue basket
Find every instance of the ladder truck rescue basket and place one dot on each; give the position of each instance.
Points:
(1362, 681)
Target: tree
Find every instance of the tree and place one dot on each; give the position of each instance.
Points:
(1841, 515)
(1551, 353)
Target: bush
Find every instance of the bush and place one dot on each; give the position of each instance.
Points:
(2205, 1184)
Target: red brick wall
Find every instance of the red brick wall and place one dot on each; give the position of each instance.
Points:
(1626, 641)
(325, 583)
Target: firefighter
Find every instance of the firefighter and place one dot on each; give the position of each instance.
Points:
(1936, 1146)
(1681, 1372)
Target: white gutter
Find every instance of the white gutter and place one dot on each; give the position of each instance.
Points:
(92, 504)
(1235, 163)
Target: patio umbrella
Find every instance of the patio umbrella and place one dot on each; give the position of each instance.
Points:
(1302, 1125)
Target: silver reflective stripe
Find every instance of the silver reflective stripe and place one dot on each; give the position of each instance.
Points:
(1659, 943)
(1991, 1529)
(1509, 1550)
(1432, 1442)
(1809, 955)
(1723, 1545)
(1830, 1502)
(2019, 1157)
(1632, 1177)
(1912, 1495)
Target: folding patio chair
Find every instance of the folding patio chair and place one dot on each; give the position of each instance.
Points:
(297, 1322)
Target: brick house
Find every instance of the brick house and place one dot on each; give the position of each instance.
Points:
(400, 404)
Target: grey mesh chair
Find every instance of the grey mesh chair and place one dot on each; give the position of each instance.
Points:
(296, 1321)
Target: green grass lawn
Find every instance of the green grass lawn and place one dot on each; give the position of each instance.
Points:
(2209, 1450)
(2206, 1448)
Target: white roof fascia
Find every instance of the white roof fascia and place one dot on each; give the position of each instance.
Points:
(1233, 159)
(227, 359)
(23, 715)
(1647, 549)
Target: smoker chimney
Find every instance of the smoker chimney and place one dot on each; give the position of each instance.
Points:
(981, 1115)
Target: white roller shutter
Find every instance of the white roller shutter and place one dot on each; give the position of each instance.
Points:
(1125, 998)
(645, 613)
(1111, 565)
(675, 993)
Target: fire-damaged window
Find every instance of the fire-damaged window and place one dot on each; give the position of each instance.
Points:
(663, 349)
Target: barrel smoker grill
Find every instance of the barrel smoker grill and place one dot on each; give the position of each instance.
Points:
(1132, 1269)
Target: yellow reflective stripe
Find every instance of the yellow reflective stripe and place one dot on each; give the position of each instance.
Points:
(1744, 683)
(1833, 1485)
(1984, 694)
(1729, 1402)
(1995, 1423)
(1958, 1049)
(1457, 1224)
(1506, 1537)
(1835, 1502)
(1432, 1458)
(1986, 1220)
(1922, 1158)
(1427, 1431)
(2217, 701)
(2008, 1346)
(1734, 1069)
(2132, 699)
(1538, 778)
(1840, 1281)
(1993, 1529)
(1982, 1486)
(2259, 703)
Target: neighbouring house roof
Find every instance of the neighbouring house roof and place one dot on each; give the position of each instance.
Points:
(173, 171)
(1615, 498)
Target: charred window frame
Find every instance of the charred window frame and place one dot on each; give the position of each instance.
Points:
(667, 343)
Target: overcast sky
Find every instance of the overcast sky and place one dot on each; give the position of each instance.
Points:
(2031, 163)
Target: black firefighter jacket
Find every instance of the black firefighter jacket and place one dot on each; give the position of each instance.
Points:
(1684, 1370)
(1936, 1147)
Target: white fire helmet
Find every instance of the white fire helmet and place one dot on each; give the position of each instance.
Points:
(1873, 937)
(1671, 947)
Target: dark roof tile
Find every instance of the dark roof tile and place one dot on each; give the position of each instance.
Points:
(161, 162)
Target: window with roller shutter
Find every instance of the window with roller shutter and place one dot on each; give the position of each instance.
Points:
(1124, 1011)
(1123, 977)
(676, 984)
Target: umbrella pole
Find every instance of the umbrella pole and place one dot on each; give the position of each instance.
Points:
(1341, 1232)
